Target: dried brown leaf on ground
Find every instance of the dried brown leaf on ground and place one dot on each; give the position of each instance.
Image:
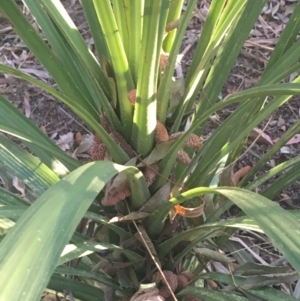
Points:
(26, 104)
(260, 137)
(66, 141)
(294, 140)
(19, 185)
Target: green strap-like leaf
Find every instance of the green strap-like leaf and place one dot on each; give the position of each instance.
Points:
(155, 16)
(118, 60)
(12, 121)
(86, 274)
(79, 289)
(211, 295)
(287, 38)
(99, 39)
(268, 293)
(42, 52)
(82, 249)
(39, 138)
(221, 137)
(286, 179)
(293, 130)
(8, 198)
(164, 90)
(284, 232)
(45, 228)
(26, 167)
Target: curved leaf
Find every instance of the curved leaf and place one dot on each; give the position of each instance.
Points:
(210, 295)
(75, 251)
(282, 228)
(116, 151)
(12, 121)
(26, 167)
(45, 228)
(80, 290)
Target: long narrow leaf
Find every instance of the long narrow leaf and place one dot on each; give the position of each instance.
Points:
(287, 37)
(80, 290)
(118, 60)
(42, 52)
(26, 167)
(164, 89)
(63, 205)
(145, 107)
(12, 121)
(116, 151)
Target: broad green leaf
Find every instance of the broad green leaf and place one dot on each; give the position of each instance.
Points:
(42, 52)
(80, 290)
(286, 179)
(86, 274)
(282, 232)
(214, 255)
(26, 167)
(62, 49)
(195, 235)
(293, 130)
(72, 251)
(229, 136)
(135, 14)
(288, 63)
(39, 139)
(8, 198)
(154, 21)
(238, 251)
(96, 31)
(270, 294)
(276, 187)
(279, 225)
(263, 281)
(230, 47)
(214, 13)
(210, 295)
(103, 220)
(174, 15)
(118, 60)
(253, 269)
(139, 189)
(219, 142)
(165, 85)
(75, 54)
(266, 90)
(13, 122)
(287, 37)
(48, 225)
(12, 212)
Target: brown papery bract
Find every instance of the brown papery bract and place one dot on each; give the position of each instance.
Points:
(116, 196)
(171, 278)
(183, 157)
(132, 96)
(161, 132)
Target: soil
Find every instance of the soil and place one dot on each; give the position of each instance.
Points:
(56, 120)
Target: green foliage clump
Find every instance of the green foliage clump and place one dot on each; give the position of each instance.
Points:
(142, 220)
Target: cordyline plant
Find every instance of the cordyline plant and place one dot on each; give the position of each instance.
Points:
(141, 221)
